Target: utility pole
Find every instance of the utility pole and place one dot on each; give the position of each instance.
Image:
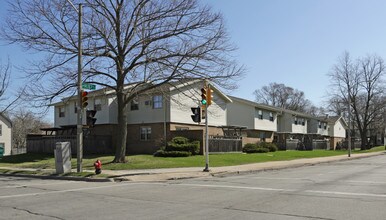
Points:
(206, 169)
(349, 125)
(79, 125)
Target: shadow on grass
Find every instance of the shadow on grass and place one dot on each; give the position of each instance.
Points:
(23, 158)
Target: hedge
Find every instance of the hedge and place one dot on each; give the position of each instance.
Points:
(162, 153)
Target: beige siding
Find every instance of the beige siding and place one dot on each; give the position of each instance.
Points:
(240, 114)
(6, 135)
(183, 100)
(339, 130)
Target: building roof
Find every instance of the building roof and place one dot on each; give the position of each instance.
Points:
(6, 118)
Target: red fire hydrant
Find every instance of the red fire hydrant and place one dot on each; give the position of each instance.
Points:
(98, 167)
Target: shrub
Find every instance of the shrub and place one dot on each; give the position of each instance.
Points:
(162, 153)
(179, 147)
(249, 148)
(262, 150)
(270, 146)
(193, 147)
(179, 140)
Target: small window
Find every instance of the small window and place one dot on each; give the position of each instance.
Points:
(260, 114)
(325, 126)
(182, 128)
(270, 116)
(320, 124)
(61, 112)
(157, 101)
(134, 105)
(295, 120)
(1, 130)
(97, 105)
(303, 122)
(145, 133)
(75, 107)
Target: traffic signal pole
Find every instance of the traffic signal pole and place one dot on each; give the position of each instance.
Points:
(206, 169)
(79, 127)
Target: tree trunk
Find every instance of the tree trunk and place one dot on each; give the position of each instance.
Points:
(120, 151)
(363, 140)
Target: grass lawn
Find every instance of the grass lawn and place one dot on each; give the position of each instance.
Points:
(149, 162)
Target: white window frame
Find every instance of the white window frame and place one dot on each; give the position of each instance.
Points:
(157, 102)
(62, 114)
(134, 105)
(145, 133)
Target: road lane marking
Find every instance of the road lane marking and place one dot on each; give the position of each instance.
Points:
(36, 184)
(286, 190)
(67, 190)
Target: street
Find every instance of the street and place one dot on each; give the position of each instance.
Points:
(354, 189)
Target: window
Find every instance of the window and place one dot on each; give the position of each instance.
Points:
(61, 112)
(295, 120)
(260, 114)
(182, 128)
(1, 130)
(75, 107)
(134, 105)
(320, 124)
(97, 105)
(303, 122)
(325, 126)
(270, 116)
(157, 101)
(145, 133)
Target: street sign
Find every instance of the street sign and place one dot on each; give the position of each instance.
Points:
(88, 86)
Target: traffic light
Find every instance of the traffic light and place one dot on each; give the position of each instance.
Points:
(90, 120)
(84, 98)
(204, 96)
(209, 96)
(203, 111)
(196, 117)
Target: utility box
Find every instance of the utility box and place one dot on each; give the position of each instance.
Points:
(62, 157)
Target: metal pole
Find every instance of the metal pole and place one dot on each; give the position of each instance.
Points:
(206, 137)
(349, 126)
(79, 127)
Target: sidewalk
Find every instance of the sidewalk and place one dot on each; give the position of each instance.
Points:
(195, 172)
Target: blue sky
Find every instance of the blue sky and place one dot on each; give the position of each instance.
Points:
(295, 42)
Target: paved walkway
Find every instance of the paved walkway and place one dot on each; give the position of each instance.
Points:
(194, 172)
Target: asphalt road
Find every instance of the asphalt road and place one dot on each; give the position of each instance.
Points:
(353, 189)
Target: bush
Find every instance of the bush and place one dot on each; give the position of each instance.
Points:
(179, 140)
(262, 147)
(162, 153)
(249, 148)
(179, 147)
(262, 150)
(193, 147)
(270, 146)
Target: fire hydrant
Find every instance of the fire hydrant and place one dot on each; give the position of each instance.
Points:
(98, 167)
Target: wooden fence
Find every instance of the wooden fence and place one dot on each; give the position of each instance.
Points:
(92, 144)
(221, 144)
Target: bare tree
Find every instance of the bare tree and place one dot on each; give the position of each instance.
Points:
(359, 84)
(286, 97)
(7, 100)
(23, 123)
(144, 43)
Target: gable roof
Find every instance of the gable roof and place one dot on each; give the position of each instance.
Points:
(255, 104)
(166, 87)
(6, 118)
